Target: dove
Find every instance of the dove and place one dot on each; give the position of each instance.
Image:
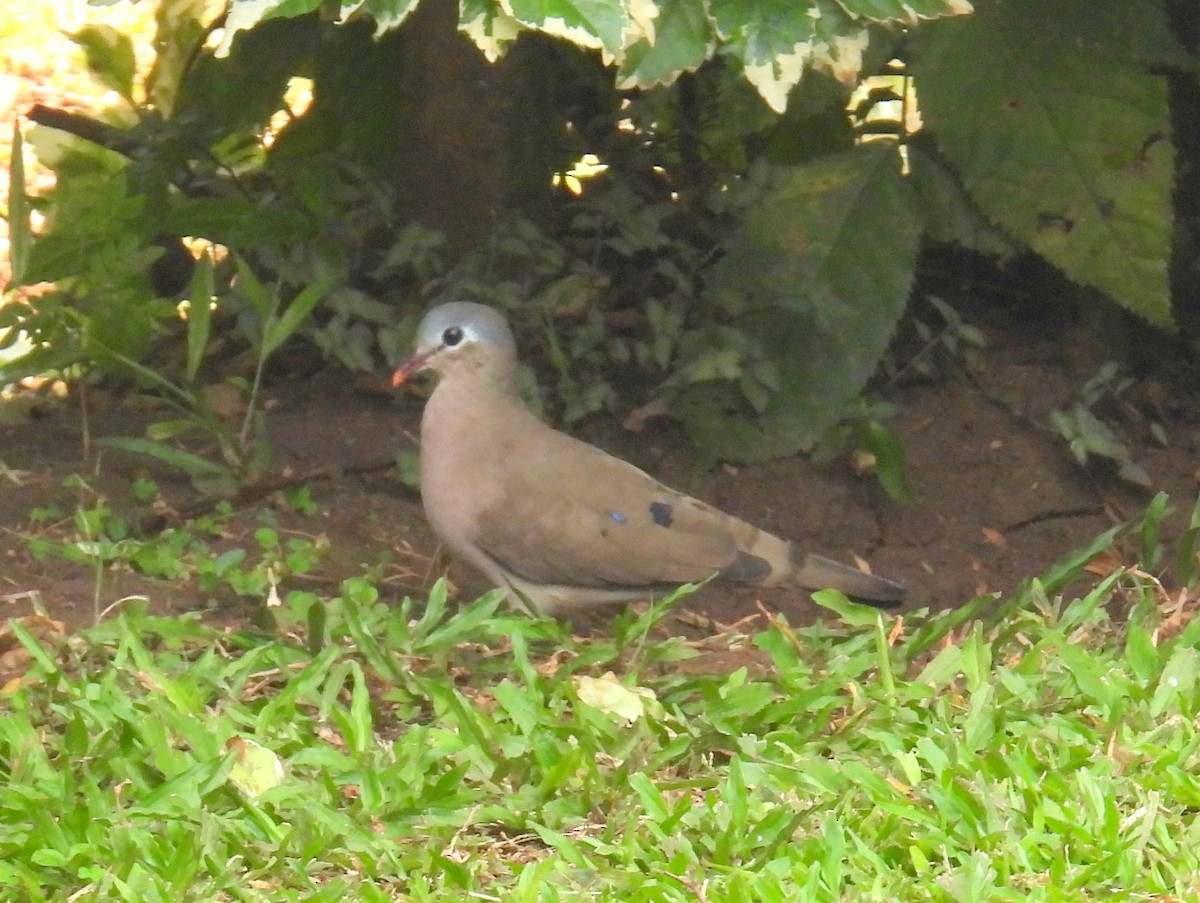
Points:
(559, 523)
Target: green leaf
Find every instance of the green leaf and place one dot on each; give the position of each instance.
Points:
(1177, 684)
(1151, 544)
(245, 14)
(34, 647)
(191, 464)
(110, 57)
(947, 214)
(95, 222)
(179, 28)
(357, 725)
(1185, 555)
(252, 289)
(904, 12)
(594, 24)
(650, 797)
(777, 39)
(1060, 135)
(317, 617)
(1083, 610)
(280, 328)
(236, 222)
(1072, 567)
(937, 628)
(889, 460)
(1091, 675)
(388, 14)
(434, 613)
(816, 277)
(487, 25)
(520, 704)
(682, 40)
(20, 232)
(468, 620)
(735, 796)
(161, 430)
(199, 322)
(1141, 653)
(851, 613)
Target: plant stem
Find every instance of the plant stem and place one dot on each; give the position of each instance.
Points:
(260, 365)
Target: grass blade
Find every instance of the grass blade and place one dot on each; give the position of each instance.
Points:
(192, 464)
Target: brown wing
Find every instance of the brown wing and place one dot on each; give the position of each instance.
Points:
(573, 515)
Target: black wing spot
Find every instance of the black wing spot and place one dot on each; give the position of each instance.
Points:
(746, 568)
(661, 513)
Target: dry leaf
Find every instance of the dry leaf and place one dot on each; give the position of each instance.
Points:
(1104, 563)
(256, 769)
(612, 697)
(994, 537)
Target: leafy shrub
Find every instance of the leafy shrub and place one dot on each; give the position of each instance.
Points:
(747, 253)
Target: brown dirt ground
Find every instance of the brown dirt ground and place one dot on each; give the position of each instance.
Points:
(996, 496)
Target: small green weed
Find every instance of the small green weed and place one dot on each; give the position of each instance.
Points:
(1086, 425)
(244, 449)
(875, 449)
(97, 536)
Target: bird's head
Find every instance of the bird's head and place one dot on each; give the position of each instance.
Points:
(461, 336)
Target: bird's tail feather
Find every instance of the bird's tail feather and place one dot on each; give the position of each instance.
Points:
(815, 572)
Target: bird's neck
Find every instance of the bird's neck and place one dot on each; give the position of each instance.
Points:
(467, 408)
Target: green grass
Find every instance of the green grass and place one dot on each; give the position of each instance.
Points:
(1018, 749)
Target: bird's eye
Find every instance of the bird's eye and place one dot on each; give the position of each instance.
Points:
(452, 336)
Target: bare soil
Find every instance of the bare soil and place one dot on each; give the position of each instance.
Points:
(997, 497)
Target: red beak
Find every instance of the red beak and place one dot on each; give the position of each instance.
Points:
(410, 367)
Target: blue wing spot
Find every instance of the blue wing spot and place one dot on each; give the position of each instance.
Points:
(661, 513)
(617, 516)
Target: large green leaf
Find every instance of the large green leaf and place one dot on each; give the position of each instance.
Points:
(1061, 135)
(588, 23)
(488, 26)
(682, 39)
(386, 13)
(948, 215)
(653, 42)
(236, 222)
(777, 40)
(904, 11)
(245, 14)
(816, 277)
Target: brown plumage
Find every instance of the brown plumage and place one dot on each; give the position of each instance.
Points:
(559, 521)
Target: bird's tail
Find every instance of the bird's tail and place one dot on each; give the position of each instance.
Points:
(815, 572)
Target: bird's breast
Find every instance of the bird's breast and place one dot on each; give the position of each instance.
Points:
(460, 455)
